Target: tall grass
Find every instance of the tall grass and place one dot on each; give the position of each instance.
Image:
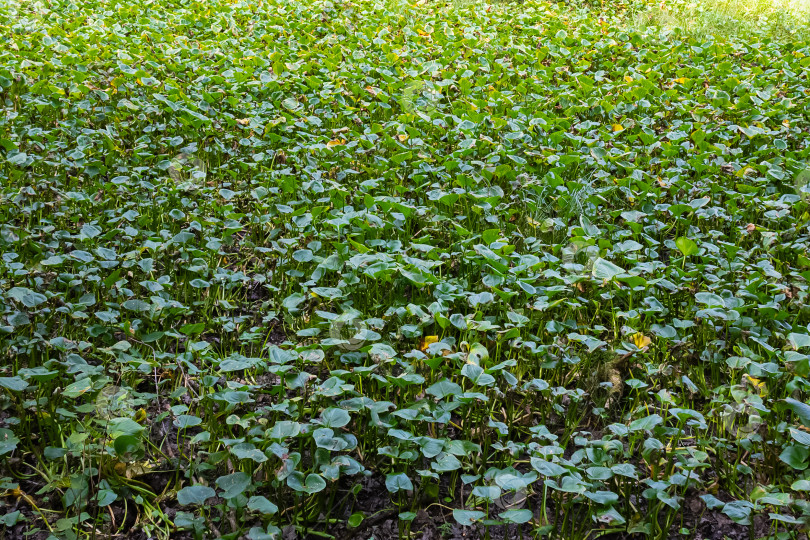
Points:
(781, 20)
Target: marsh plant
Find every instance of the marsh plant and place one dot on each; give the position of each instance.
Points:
(380, 269)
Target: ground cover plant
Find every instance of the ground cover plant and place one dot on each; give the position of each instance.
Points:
(322, 269)
(781, 20)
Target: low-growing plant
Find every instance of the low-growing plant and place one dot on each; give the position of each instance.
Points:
(378, 269)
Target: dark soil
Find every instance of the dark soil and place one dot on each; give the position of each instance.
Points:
(435, 522)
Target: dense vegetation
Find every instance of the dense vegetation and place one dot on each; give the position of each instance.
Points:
(781, 20)
(354, 269)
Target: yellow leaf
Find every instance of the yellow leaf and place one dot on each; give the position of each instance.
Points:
(681, 80)
(335, 142)
(628, 79)
(640, 340)
(617, 128)
(759, 385)
(427, 341)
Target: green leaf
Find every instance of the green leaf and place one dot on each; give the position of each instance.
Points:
(602, 497)
(52, 453)
(407, 516)
(795, 456)
(800, 485)
(646, 424)
(710, 299)
(127, 447)
(800, 437)
(8, 441)
(335, 418)
(517, 516)
(248, 451)
(293, 301)
(443, 388)
(185, 421)
(800, 409)
(26, 297)
(547, 468)
(192, 329)
(18, 158)
(398, 482)
(78, 388)
(467, 517)
(327, 292)
(258, 503)
(446, 463)
(233, 484)
(105, 497)
(687, 246)
(123, 428)
(490, 235)
(799, 341)
(16, 384)
(739, 511)
(712, 502)
(90, 231)
(606, 270)
(313, 483)
(284, 429)
(194, 495)
(487, 493)
(136, 305)
(355, 520)
(402, 156)
(291, 104)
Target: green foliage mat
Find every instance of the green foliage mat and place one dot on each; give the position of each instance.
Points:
(780, 20)
(534, 272)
